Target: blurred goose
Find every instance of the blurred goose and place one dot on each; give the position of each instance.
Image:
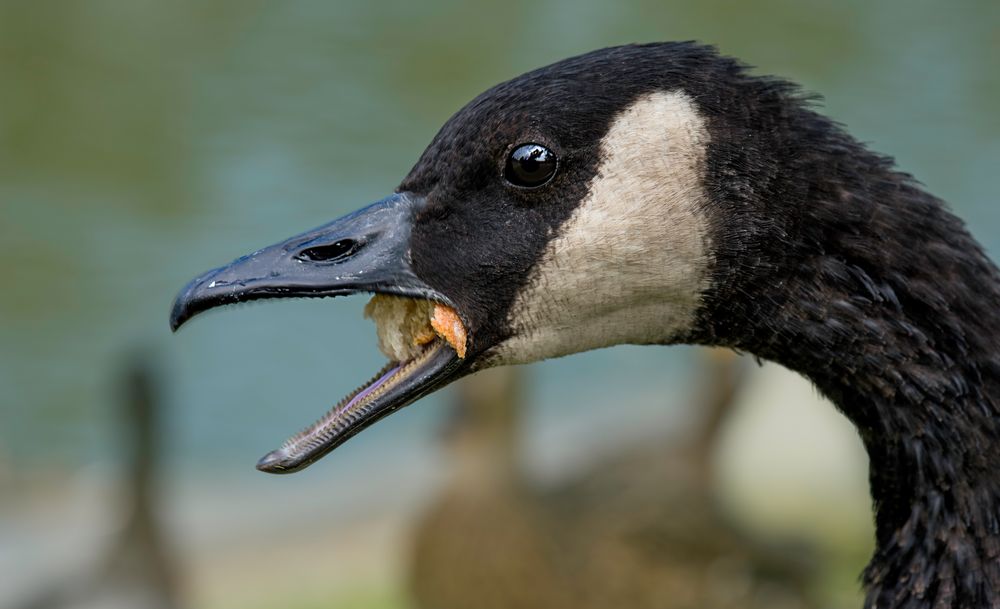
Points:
(138, 569)
(660, 194)
(642, 530)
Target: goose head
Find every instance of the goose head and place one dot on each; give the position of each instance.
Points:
(562, 211)
(646, 194)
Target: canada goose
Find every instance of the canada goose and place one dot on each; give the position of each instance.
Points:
(138, 569)
(638, 530)
(659, 194)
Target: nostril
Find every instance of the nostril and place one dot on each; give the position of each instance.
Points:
(334, 251)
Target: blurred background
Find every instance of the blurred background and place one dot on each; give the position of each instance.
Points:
(143, 142)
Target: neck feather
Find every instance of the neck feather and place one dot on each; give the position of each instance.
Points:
(873, 290)
(921, 389)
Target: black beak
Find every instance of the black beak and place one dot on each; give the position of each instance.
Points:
(366, 251)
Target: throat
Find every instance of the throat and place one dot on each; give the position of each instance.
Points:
(923, 394)
(891, 308)
(928, 418)
(929, 422)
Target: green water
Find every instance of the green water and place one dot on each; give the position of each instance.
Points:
(144, 142)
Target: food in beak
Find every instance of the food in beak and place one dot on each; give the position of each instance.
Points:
(448, 326)
(405, 325)
(411, 333)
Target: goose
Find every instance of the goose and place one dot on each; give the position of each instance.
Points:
(138, 569)
(662, 194)
(640, 529)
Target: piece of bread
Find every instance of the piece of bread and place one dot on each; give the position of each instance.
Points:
(448, 326)
(405, 325)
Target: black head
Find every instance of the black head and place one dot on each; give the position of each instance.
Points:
(567, 209)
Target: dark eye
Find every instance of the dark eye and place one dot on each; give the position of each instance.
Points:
(530, 165)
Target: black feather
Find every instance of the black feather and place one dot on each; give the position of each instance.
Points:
(826, 259)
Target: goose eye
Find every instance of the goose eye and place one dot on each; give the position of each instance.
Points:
(530, 165)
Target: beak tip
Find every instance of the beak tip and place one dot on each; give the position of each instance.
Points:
(191, 300)
(180, 311)
(273, 462)
(176, 315)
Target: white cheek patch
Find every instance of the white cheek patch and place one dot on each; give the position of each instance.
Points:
(629, 265)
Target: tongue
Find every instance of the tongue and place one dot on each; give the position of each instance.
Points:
(361, 395)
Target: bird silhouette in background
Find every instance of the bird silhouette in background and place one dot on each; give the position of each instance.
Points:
(640, 530)
(137, 570)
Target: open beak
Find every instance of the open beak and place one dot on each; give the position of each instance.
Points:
(366, 251)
